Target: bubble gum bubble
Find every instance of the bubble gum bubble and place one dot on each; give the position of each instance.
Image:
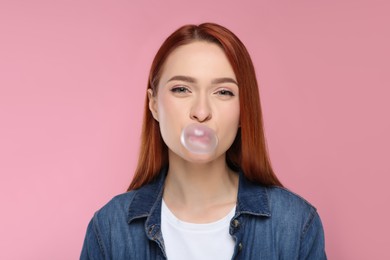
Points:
(198, 138)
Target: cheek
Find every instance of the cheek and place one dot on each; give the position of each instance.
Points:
(168, 111)
(230, 123)
(233, 114)
(169, 115)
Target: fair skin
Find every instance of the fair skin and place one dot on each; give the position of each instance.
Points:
(198, 85)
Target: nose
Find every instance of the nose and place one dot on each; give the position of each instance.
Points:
(200, 110)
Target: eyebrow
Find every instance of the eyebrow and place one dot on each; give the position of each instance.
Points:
(193, 80)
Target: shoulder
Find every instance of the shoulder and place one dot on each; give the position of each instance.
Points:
(117, 208)
(282, 197)
(297, 218)
(276, 202)
(290, 209)
(112, 216)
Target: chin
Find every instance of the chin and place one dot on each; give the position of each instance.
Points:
(199, 158)
(183, 154)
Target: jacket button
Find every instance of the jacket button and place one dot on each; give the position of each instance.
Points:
(239, 246)
(236, 223)
(150, 230)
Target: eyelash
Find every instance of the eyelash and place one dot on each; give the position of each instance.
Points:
(225, 92)
(182, 90)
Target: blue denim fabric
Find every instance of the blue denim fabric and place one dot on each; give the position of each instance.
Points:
(269, 223)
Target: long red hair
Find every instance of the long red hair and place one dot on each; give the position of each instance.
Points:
(248, 151)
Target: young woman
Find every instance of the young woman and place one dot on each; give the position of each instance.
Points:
(204, 187)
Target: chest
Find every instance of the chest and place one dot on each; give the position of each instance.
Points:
(250, 239)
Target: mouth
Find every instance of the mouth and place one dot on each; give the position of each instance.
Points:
(198, 138)
(198, 132)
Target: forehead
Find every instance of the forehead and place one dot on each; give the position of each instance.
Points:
(198, 59)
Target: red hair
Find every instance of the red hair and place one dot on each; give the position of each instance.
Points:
(248, 152)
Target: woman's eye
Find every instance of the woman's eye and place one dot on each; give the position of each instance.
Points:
(224, 92)
(180, 90)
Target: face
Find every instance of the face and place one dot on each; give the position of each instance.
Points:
(197, 85)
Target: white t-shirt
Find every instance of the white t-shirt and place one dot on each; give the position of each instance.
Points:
(191, 241)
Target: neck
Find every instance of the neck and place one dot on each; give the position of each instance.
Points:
(193, 185)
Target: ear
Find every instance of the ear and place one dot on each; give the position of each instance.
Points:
(153, 103)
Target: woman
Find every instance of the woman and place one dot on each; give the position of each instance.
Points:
(204, 187)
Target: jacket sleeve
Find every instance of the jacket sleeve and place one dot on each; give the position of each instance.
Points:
(312, 239)
(93, 249)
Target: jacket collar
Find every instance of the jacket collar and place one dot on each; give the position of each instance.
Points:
(147, 198)
(252, 199)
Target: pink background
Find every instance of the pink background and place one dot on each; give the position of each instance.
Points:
(72, 84)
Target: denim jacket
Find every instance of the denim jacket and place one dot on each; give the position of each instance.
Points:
(269, 223)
